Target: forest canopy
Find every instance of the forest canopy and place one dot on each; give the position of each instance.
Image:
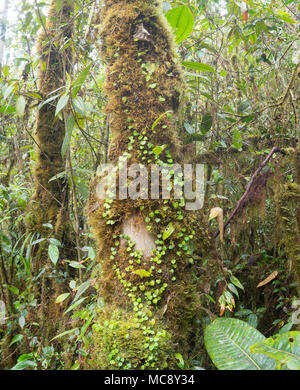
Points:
(149, 185)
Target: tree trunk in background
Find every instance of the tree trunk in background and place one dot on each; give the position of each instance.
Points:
(49, 203)
(153, 253)
(3, 32)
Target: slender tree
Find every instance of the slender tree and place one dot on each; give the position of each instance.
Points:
(49, 203)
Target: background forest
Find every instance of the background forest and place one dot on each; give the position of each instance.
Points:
(75, 293)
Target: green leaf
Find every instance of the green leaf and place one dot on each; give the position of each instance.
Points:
(228, 343)
(198, 66)
(233, 289)
(286, 17)
(237, 139)
(159, 118)
(24, 364)
(284, 348)
(62, 102)
(206, 123)
(75, 305)
(69, 128)
(54, 241)
(7, 90)
(79, 105)
(181, 20)
(62, 297)
(168, 231)
(16, 339)
(77, 83)
(158, 149)
(82, 288)
(20, 106)
(236, 282)
(53, 252)
(64, 333)
(91, 253)
(142, 273)
(47, 101)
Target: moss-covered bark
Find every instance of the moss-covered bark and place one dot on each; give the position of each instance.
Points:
(50, 200)
(150, 281)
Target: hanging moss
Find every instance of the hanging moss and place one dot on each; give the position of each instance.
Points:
(149, 280)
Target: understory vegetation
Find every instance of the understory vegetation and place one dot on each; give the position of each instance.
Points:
(93, 282)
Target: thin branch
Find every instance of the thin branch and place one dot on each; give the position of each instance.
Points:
(275, 149)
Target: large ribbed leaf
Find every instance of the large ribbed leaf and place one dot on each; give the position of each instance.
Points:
(284, 348)
(181, 20)
(228, 343)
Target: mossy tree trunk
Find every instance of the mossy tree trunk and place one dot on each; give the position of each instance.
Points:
(153, 253)
(49, 203)
(48, 209)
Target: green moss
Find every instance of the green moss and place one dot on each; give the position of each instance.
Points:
(122, 343)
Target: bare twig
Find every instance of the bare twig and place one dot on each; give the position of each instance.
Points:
(275, 149)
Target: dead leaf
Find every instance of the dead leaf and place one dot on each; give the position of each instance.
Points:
(217, 212)
(141, 33)
(222, 309)
(268, 279)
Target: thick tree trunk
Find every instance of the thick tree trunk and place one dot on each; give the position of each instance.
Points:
(151, 251)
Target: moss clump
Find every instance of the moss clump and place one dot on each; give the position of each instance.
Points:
(120, 342)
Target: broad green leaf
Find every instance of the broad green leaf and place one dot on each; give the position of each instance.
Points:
(168, 231)
(77, 83)
(198, 66)
(236, 282)
(233, 289)
(284, 348)
(181, 20)
(206, 123)
(53, 253)
(61, 104)
(286, 17)
(7, 90)
(75, 366)
(24, 364)
(228, 343)
(79, 105)
(82, 288)
(91, 253)
(16, 339)
(75, 264)
(69, 128)
(47, 101)
(237, 139)
(75, 305)
(54, 241)
(189, 128)
(22, 321)
(20, 106)
(62, 297)
(158, 149)
(5, 70)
